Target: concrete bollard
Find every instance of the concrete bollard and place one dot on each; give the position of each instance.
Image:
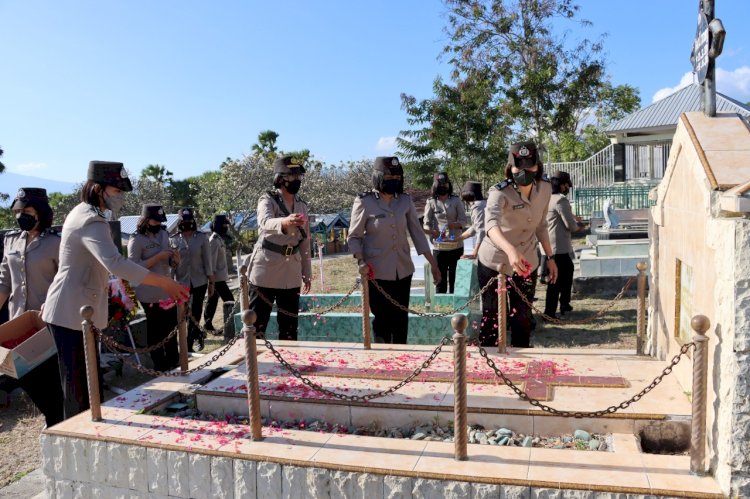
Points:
(251, 363)
(641, 314)
(460, 433)
(363, 271)
(700, 325)
(92, 364)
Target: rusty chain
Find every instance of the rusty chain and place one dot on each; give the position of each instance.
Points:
(586, 414)
(112, 344)
(455, 310)
(313, 312)
(357, 398)
(109, 342)
(555, 320)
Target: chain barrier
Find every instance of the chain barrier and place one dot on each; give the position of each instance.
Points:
(562, 322)
(455, 310)
(313, 311)
(357, 398)
(227, 320)
(587, 414)
(109, 342)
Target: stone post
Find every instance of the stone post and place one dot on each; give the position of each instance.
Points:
(700, 325)
(182, 335)
(92, 364)
(460, 438)
(251, 364)
(641, 314)
(363, 271)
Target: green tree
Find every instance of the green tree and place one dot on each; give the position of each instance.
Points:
(266, 145)
(61, 204)
(2, 166)
(543, 81)
(157, 173)
(461, 129)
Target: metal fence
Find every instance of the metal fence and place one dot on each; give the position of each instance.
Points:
(596, 171)
(588, 200)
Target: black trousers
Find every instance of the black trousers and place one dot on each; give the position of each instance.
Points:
(561, 289)
(520, 316)
(286, 299)
(72, 363)
(220, 290)
(159, 323)
(43, 386)
(391, 324)
(447, 262)
(197, 295)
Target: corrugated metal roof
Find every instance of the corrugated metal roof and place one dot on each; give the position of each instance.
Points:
(330, 220)
(129, 223)
(665, 112)
(250, 224)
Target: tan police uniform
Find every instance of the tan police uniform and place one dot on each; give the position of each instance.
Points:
(438, 214)
(87, 257)
(477, 220)
(219, 257)
(280, 260)
(141, 247)
(378, 232)
(523, 223)
(196, 264)
(561, 223)
(27, 270)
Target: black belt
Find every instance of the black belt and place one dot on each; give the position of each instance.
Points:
(285, 250)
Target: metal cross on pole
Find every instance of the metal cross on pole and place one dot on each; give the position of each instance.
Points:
(707, 46)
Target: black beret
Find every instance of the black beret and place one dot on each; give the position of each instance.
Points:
(186, 214)
(288, 164)
(154, 212)
(110, 173)
(385, 164)
(563, 177)
(472, 187)
(523, 155)
(28, 195)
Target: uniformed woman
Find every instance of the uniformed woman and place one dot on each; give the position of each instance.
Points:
(516, 220)
(149, 247)
(28, 267)
(281, 264)
(472, 195)
(88, 256)
(194, 267)
(219, 229)
(380, 221)
(444, 220)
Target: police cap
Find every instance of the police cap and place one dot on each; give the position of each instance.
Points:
(110, 173)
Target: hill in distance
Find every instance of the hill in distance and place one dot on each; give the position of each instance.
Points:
(11, 182)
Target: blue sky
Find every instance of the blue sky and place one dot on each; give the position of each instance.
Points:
(186, 84)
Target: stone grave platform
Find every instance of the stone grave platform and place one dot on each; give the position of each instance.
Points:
(133, 454)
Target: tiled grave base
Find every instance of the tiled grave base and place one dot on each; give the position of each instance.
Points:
(77, 467)
(133, 454)
(347, 327)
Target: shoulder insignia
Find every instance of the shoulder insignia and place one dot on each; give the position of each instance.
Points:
(365, 194)
(52, 232)
(297, 198)
(14, 232)
(545, 178)
(502, 185)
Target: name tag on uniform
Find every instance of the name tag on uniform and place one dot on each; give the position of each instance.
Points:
(519, 206)
(382, 215)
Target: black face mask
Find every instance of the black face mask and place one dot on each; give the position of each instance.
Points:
(442, 190)
(154, 229)
(293, 186)
(391, 186)
(223, 230)
(524, 177)
(187, 226)
(26, 222)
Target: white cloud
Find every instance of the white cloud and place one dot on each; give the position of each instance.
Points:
(686, 80)
(27, 168)
(386, 144)
(734, 84)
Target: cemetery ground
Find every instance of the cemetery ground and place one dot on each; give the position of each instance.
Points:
(21, 424)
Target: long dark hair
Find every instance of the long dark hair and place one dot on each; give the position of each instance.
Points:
(435, 183)
(91, 193)
(142, 227)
